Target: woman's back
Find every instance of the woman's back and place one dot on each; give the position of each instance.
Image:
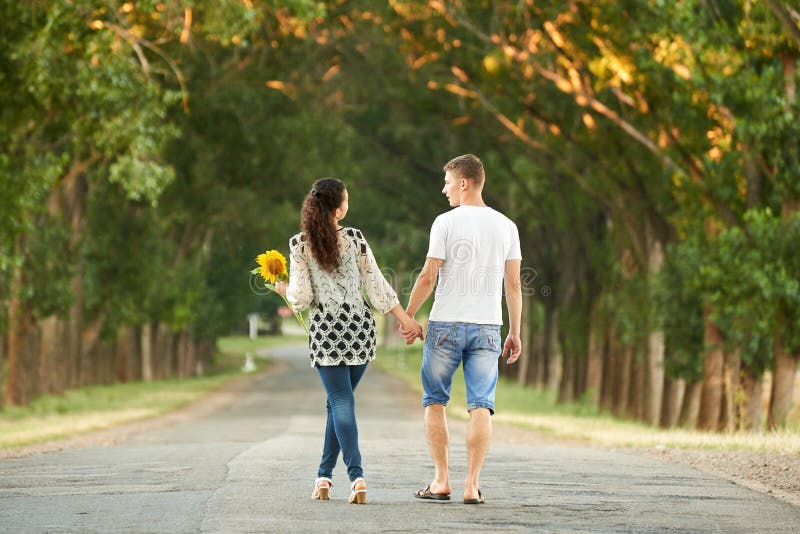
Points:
(342, 329)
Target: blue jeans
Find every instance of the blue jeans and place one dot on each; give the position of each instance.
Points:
(341, 430)
(447, 345)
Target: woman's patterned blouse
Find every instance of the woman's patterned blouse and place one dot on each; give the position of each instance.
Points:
(341, 329)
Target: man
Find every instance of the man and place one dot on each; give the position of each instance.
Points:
(474, 250)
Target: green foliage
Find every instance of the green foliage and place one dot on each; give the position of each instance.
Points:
(48, 269)
(679, 303)
(125, 257)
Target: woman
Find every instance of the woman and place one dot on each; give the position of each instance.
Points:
(330, 265)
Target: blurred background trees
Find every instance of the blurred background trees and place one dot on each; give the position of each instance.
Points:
(648, 150)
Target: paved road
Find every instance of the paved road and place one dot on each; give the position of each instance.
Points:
(250, 467)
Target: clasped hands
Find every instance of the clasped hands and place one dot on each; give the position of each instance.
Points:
(411, 329)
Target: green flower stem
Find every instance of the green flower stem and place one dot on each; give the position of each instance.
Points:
(271, 287)
(297, 314)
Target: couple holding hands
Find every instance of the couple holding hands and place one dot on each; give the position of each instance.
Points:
(475, 253)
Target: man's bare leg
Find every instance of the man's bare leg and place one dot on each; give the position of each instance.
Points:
(438, 443)
(479, 433)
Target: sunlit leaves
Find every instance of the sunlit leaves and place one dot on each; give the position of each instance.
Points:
(142, 179)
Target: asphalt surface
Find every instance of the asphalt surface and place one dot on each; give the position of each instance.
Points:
(250, 468)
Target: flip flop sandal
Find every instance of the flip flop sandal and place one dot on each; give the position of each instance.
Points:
(426, 494)
(479, 500)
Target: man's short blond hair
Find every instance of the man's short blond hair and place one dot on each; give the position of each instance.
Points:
(466, 166)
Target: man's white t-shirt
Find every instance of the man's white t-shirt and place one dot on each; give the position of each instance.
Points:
(474, 242)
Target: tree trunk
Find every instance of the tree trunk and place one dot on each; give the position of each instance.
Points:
(674, 390)
(789, 62)
(594, 356)
(525, 335)
(540, 357)
(554, 357)
(566, 386)
(102, 355)
(88, 370)
(22, 357)
(49, 355)
(3, 352)
(171, 345)
(94, 360)
(171, 356)
(12, 393)
(67, 201)
(624, 381)
(611, 364)
(580, 379)
(181, 350)
(545, 364)
(72, 358)
(729, 415)
(655, 377)
(62, 365)
(536, 367)
(579, 372)
(784, 368)
(750, 408)
(163, 354)
(655, 341)
(637, 393)
(90, 336)
(20, 375)
(125, 351)
(784, 362)
(32, 355)
(191, 357)
(690, 410)
(713, 367)
(146, 348)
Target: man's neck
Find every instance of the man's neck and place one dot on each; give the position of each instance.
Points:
(476, 200)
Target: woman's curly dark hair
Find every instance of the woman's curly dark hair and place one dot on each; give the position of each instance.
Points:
(318, 224)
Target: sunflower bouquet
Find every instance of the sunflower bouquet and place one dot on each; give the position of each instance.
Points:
(272, 269)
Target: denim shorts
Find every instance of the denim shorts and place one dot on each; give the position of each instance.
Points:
(447, 345)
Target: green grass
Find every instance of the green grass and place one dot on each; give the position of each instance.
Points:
(537, 409)
(96, 407)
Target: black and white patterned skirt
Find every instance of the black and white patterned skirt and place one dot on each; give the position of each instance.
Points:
(341, 336)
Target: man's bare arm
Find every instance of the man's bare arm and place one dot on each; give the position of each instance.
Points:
(513, 344)
(424, 285)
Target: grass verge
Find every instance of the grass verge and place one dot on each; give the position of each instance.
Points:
(52, 417)
(538, 410)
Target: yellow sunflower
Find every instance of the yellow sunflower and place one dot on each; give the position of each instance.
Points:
(272, 266)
